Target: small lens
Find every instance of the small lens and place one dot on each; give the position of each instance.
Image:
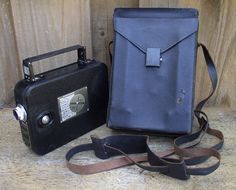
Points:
(15, 114)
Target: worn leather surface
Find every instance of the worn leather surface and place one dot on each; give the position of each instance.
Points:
(154, 96)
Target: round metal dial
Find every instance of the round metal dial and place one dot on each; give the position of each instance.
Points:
(77, 103)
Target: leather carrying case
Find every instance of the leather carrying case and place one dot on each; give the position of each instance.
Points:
(153, 75)
(152, 90)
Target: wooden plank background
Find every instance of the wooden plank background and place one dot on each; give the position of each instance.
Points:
(30, 27)
(34, 27)
(9, 67)
(42, 26)
(102, 28)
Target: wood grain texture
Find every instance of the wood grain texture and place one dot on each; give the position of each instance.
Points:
(9, 67)
(102, 27)
(43, 26)
(22, 170)
(31, 27)
(218, 31)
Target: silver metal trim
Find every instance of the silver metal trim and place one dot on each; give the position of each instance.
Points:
(20, 113)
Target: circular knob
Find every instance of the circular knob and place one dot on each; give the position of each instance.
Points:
(20, 113)
(77, 103)
(45, 119)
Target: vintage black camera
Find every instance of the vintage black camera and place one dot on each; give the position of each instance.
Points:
(62, 104)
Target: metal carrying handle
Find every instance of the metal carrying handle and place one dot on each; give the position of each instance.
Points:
(27, 63)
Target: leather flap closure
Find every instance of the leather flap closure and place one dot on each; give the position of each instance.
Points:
(153, 57)
(163, 33)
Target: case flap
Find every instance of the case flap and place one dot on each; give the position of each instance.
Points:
(163, 33)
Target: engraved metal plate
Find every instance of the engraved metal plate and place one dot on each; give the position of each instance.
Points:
(73, 104)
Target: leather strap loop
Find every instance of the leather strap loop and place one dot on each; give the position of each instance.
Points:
(184, 146)
(212, 74)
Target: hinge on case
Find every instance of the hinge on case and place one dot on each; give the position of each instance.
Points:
(82, 56)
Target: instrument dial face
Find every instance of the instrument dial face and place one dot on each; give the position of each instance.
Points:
(73, 104)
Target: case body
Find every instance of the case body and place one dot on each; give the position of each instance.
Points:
(153, 73)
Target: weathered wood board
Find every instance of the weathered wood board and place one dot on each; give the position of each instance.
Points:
(22, 170)
(9, 61)
(42, 26)
(217, 30)
(29, 28)
(102, 27)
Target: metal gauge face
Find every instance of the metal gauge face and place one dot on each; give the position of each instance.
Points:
(77, 103)
(73, 104)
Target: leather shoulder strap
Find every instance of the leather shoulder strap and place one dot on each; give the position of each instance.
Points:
(184, 147)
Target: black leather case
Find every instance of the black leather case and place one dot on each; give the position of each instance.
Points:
(153, 72)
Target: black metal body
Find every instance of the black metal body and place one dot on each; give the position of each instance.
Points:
(40, 97)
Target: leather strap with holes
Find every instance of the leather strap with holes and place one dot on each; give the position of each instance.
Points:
(184, 147)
